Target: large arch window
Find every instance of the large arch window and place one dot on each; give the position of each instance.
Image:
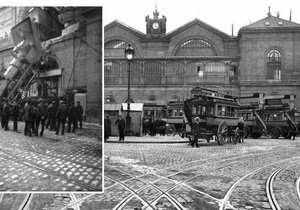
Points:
(111, 73)
(196, 47)
(115, 48)
(274, 65)
(152, 73)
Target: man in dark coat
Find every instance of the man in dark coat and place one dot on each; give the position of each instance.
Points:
(79, 114)
(196, 129)
(61, 116)
(6, 114)
(71, 117)
(121, 127)
(15, 115)
(108, 126)
(1, 112)
(28, 118)
(34, 119)
(52, 116)
(42, 111)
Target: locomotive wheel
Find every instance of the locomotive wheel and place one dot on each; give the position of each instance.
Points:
(222, 133)
(275, 133)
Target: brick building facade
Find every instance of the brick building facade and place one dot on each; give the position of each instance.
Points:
(264, 56)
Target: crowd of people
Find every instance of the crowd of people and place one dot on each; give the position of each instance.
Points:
(41, 115)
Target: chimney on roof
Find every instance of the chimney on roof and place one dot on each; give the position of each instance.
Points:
(269, 13)
(278, 14)
(290, 15)
(231, 29)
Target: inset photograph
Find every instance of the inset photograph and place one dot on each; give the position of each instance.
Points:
(51, 99)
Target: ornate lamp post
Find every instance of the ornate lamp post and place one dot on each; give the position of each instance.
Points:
(129, 55)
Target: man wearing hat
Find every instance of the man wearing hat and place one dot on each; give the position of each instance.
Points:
(15, 115)
(42, 111)
(61, 116)
(121, 127)
(28, 118)
(196, 128)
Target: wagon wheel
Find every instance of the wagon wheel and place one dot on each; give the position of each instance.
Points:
(222, 133)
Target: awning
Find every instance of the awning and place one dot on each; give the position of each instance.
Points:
(112, 107)
(133, 106)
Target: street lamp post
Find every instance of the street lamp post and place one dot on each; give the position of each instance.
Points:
(129, 55)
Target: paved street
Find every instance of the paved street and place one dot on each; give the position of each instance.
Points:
(257, 174)
(72, 162)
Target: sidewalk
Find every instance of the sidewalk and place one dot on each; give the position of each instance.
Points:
(148, 139)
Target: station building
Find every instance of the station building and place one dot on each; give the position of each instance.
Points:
(263, 57)
(71, 39)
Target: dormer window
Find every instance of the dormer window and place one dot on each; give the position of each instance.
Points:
(280, 23)
(267, 23)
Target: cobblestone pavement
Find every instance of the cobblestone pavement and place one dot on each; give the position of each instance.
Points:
(177, 176)
(72, 162)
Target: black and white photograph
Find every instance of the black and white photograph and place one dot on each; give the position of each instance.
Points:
(51, 102)
(201, 105)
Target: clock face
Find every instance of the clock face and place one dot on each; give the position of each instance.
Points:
(155, 25)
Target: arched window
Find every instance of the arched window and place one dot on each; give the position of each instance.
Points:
(274, 65)
(196, 47)
(115, 48)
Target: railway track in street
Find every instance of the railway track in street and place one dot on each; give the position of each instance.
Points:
(165, 192)
(269, 183)
(270, 192)
(196, 165)
(26, 202)
(57, 202)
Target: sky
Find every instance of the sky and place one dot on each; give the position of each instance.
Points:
(220, 14)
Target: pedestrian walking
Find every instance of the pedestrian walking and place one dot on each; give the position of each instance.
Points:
(79, 114)
(72, 118)
(196, 129)
(42, 112)
(292, 130)
(15, 115)
(28, 118)
(121, 127)
(61, 116)
(241, 126)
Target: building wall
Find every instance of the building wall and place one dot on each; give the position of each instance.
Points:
(178, 74)
(254, 48)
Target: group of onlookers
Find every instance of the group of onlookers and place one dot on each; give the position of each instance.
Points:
(39, 115)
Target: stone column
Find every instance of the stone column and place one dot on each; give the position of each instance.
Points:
(94, 65)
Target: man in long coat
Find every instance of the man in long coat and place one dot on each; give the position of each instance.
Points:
(196, 129)
(121, 127)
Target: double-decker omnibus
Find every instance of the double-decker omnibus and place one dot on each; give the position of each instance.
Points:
(218, 114)
(272, 115)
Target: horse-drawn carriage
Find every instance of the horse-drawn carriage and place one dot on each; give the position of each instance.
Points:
(218, 114)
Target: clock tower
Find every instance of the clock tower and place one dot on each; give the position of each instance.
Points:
(155, 27)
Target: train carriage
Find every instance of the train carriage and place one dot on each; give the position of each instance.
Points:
(218, 114)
